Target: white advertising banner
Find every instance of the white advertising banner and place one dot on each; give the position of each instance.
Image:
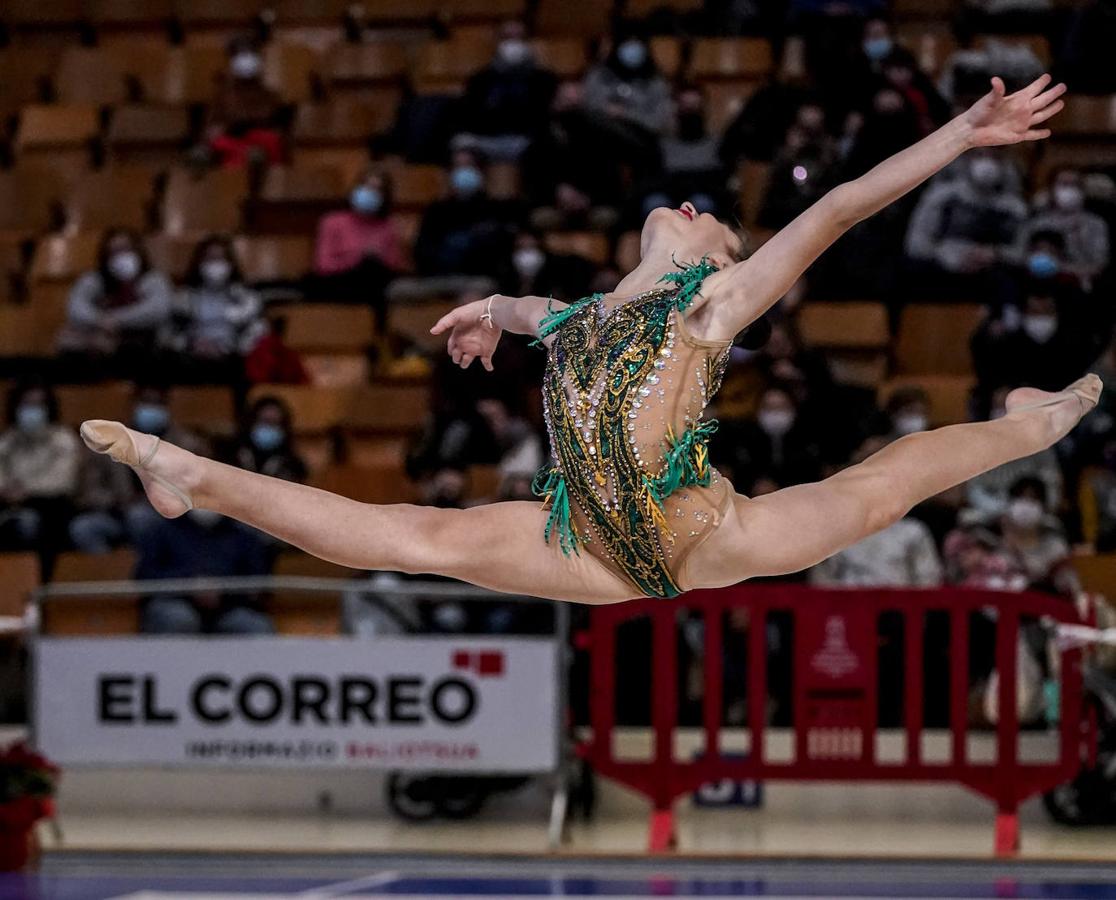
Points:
(394, 703)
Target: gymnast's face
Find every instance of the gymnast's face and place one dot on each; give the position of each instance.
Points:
(688, 235)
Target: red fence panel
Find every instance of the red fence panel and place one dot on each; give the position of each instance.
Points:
(835, 690)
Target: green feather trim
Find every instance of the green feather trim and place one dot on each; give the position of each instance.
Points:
(689, 278)
(555, 317)
(553, 486)
(686, 461)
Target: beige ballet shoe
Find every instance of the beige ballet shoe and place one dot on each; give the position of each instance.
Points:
(1087, 390)
(119, 443)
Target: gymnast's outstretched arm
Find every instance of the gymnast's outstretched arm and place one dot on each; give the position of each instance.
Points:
(740, 294)
(475, 328)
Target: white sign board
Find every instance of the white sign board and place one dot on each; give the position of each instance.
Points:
(394, 703)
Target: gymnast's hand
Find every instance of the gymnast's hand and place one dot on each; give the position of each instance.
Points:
(472, 336)
(999, 118)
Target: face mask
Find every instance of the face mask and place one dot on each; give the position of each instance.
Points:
(632, 54)
(32, 417)
(467, 180)
(1042, 265)
(1068, 197)
(267, 437)
(206, 518)
(366, 200)
(151, 418)
(1024, 512)
(985, 171)
(776, 422)
(911, 423)
(216, 272)
(124, 265)
(1040, 328)
(245, 64)
(528, 261)
(513, 52)
(877, 48)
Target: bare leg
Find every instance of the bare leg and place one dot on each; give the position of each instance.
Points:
(498, 546)
(800, 526)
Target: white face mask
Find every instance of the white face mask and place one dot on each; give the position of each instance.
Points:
(985, 171)
(513, 52)
(1023, 512)
(528, 261)
(246, 64)
(911, 423)
(1040, 328)
(124, 265)
(216, 272)
(776, 422)
(1068, 197)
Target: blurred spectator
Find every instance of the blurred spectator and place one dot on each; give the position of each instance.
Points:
(902, 74)
(758, 130)
(360, 249)
(505, 104)
(1084, 59)
(217, 320)
(777, 443)
(533, 271)
(967, 73)
(630, 102)
(445, 487)
(266, 442)
(692, 168)
(115, 313)
(272, 361)
(1084, 234)
(908, 412)
(1026, 551)
(964, 228)
(244, 115)
(888, 125)
(803, 170)
(987, 495)
(1097, 501)
(467, 232)
(520, 446)
(1044, 349)
(903, 555)
(202, 544)
(112, 507)
(39, 461)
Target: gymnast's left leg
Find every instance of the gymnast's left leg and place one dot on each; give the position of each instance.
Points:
(795, 528)
(498, 546)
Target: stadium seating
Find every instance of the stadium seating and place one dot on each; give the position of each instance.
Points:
(19, 576)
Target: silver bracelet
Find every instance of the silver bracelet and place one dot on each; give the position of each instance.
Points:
(487, 314)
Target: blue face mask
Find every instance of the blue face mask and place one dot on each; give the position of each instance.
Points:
(632, 54)
(1042, 265)
(467, 180)
(877, 48)
(267, 437)
(32, 417)
(366, 200)
(151, 417)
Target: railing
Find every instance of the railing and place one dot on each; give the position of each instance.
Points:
(835, 693)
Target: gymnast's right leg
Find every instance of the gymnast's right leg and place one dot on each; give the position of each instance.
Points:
(498, 546)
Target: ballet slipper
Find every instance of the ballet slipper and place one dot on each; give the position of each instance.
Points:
(1086, 390)
(119, 443)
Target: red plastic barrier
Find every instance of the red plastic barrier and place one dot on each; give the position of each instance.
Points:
(835, 695)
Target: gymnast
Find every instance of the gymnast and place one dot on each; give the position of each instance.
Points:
(632, 507)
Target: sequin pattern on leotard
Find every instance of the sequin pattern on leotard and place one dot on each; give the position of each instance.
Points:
(623, 395)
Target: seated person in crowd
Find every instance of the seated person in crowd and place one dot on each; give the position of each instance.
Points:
(360, 249)
(505, 104)
(112, 508)
(901, 73)
(966, 72)
(987, 495)
(903, 555)
(217, 320)
(1084, 234)
(908, 412)
(39, 461)
(115, 313)
(245, 115)
(202, 544)
(533, 271)
(964, 229)
(467, 232)
(804, 169)
(1025, 550)
(1096, 501)
(520, 446)
(272, 361)
(266, 442)
(692, 168)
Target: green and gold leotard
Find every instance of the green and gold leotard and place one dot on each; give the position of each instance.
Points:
(623, 395)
